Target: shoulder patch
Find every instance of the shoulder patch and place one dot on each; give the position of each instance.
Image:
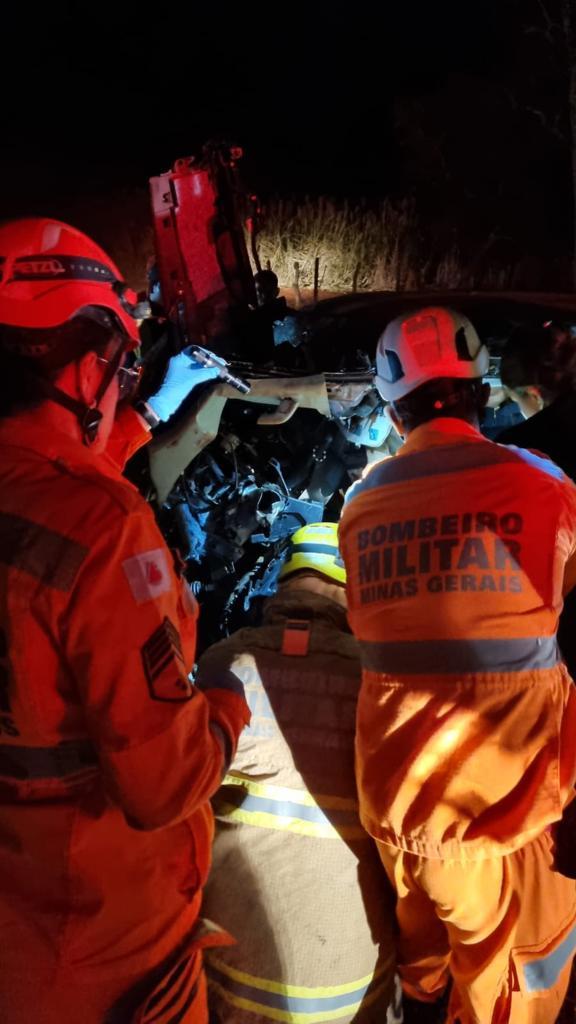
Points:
(164, 665)
(148, 575)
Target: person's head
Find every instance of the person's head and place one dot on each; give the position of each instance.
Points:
(266, 284)
(313, 562)
(66, 324)
(539, 365)
(430, 364)
(154, 287)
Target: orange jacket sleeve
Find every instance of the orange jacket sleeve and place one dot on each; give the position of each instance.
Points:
(130, 635)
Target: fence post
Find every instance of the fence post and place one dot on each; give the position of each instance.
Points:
(297, 294)
(316, 278)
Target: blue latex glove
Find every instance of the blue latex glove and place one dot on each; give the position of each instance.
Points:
(183, 374)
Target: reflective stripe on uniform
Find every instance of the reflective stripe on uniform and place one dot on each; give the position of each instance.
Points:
(543, 973)
(50, 557)
(407, 657)
(292, 1003)
(289, 810)
(71, 757)
(219, 679)
(434, 462)
(316, 549)
(539, 462)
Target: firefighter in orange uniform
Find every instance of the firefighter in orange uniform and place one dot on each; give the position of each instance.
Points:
(457, 553)
(108, 753)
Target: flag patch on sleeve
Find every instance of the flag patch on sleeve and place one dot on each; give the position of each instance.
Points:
(148, 575)
(164, 665)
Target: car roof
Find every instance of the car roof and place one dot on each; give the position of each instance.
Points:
(344, 324)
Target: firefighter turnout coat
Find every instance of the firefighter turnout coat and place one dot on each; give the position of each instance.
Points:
(108, 754)
(295, 878)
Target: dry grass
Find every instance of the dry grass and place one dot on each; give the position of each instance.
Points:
(368, 247)
(360, 246)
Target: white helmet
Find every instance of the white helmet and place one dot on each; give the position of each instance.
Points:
(422, 346)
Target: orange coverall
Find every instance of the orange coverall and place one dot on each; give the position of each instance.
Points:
(108, 754)
(456, 553)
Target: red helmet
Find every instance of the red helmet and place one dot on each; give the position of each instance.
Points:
(49, 272)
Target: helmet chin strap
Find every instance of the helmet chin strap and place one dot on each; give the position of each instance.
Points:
(88, 416)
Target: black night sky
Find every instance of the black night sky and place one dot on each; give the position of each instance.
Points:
(462, 106)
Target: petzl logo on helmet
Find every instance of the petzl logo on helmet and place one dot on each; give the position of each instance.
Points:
(29, 268)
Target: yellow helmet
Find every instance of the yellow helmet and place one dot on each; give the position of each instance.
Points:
(315, 548)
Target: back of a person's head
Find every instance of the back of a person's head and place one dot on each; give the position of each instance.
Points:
(313, 562)
(266, 283)
(430, 363)
(444, 396)
(541, 357)
(266, 279)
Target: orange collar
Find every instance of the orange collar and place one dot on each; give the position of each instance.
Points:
(445, 430)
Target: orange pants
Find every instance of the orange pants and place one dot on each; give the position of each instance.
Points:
(173, 991)
(504, 928)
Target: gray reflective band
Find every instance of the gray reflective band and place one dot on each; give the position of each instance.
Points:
(315, 549)
(69, 758)
(212, 679)
(316, 1004)
(435, 462)
(540, 462)
(48, 556)
(289, 810)
(416, 657)
(542, 973)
